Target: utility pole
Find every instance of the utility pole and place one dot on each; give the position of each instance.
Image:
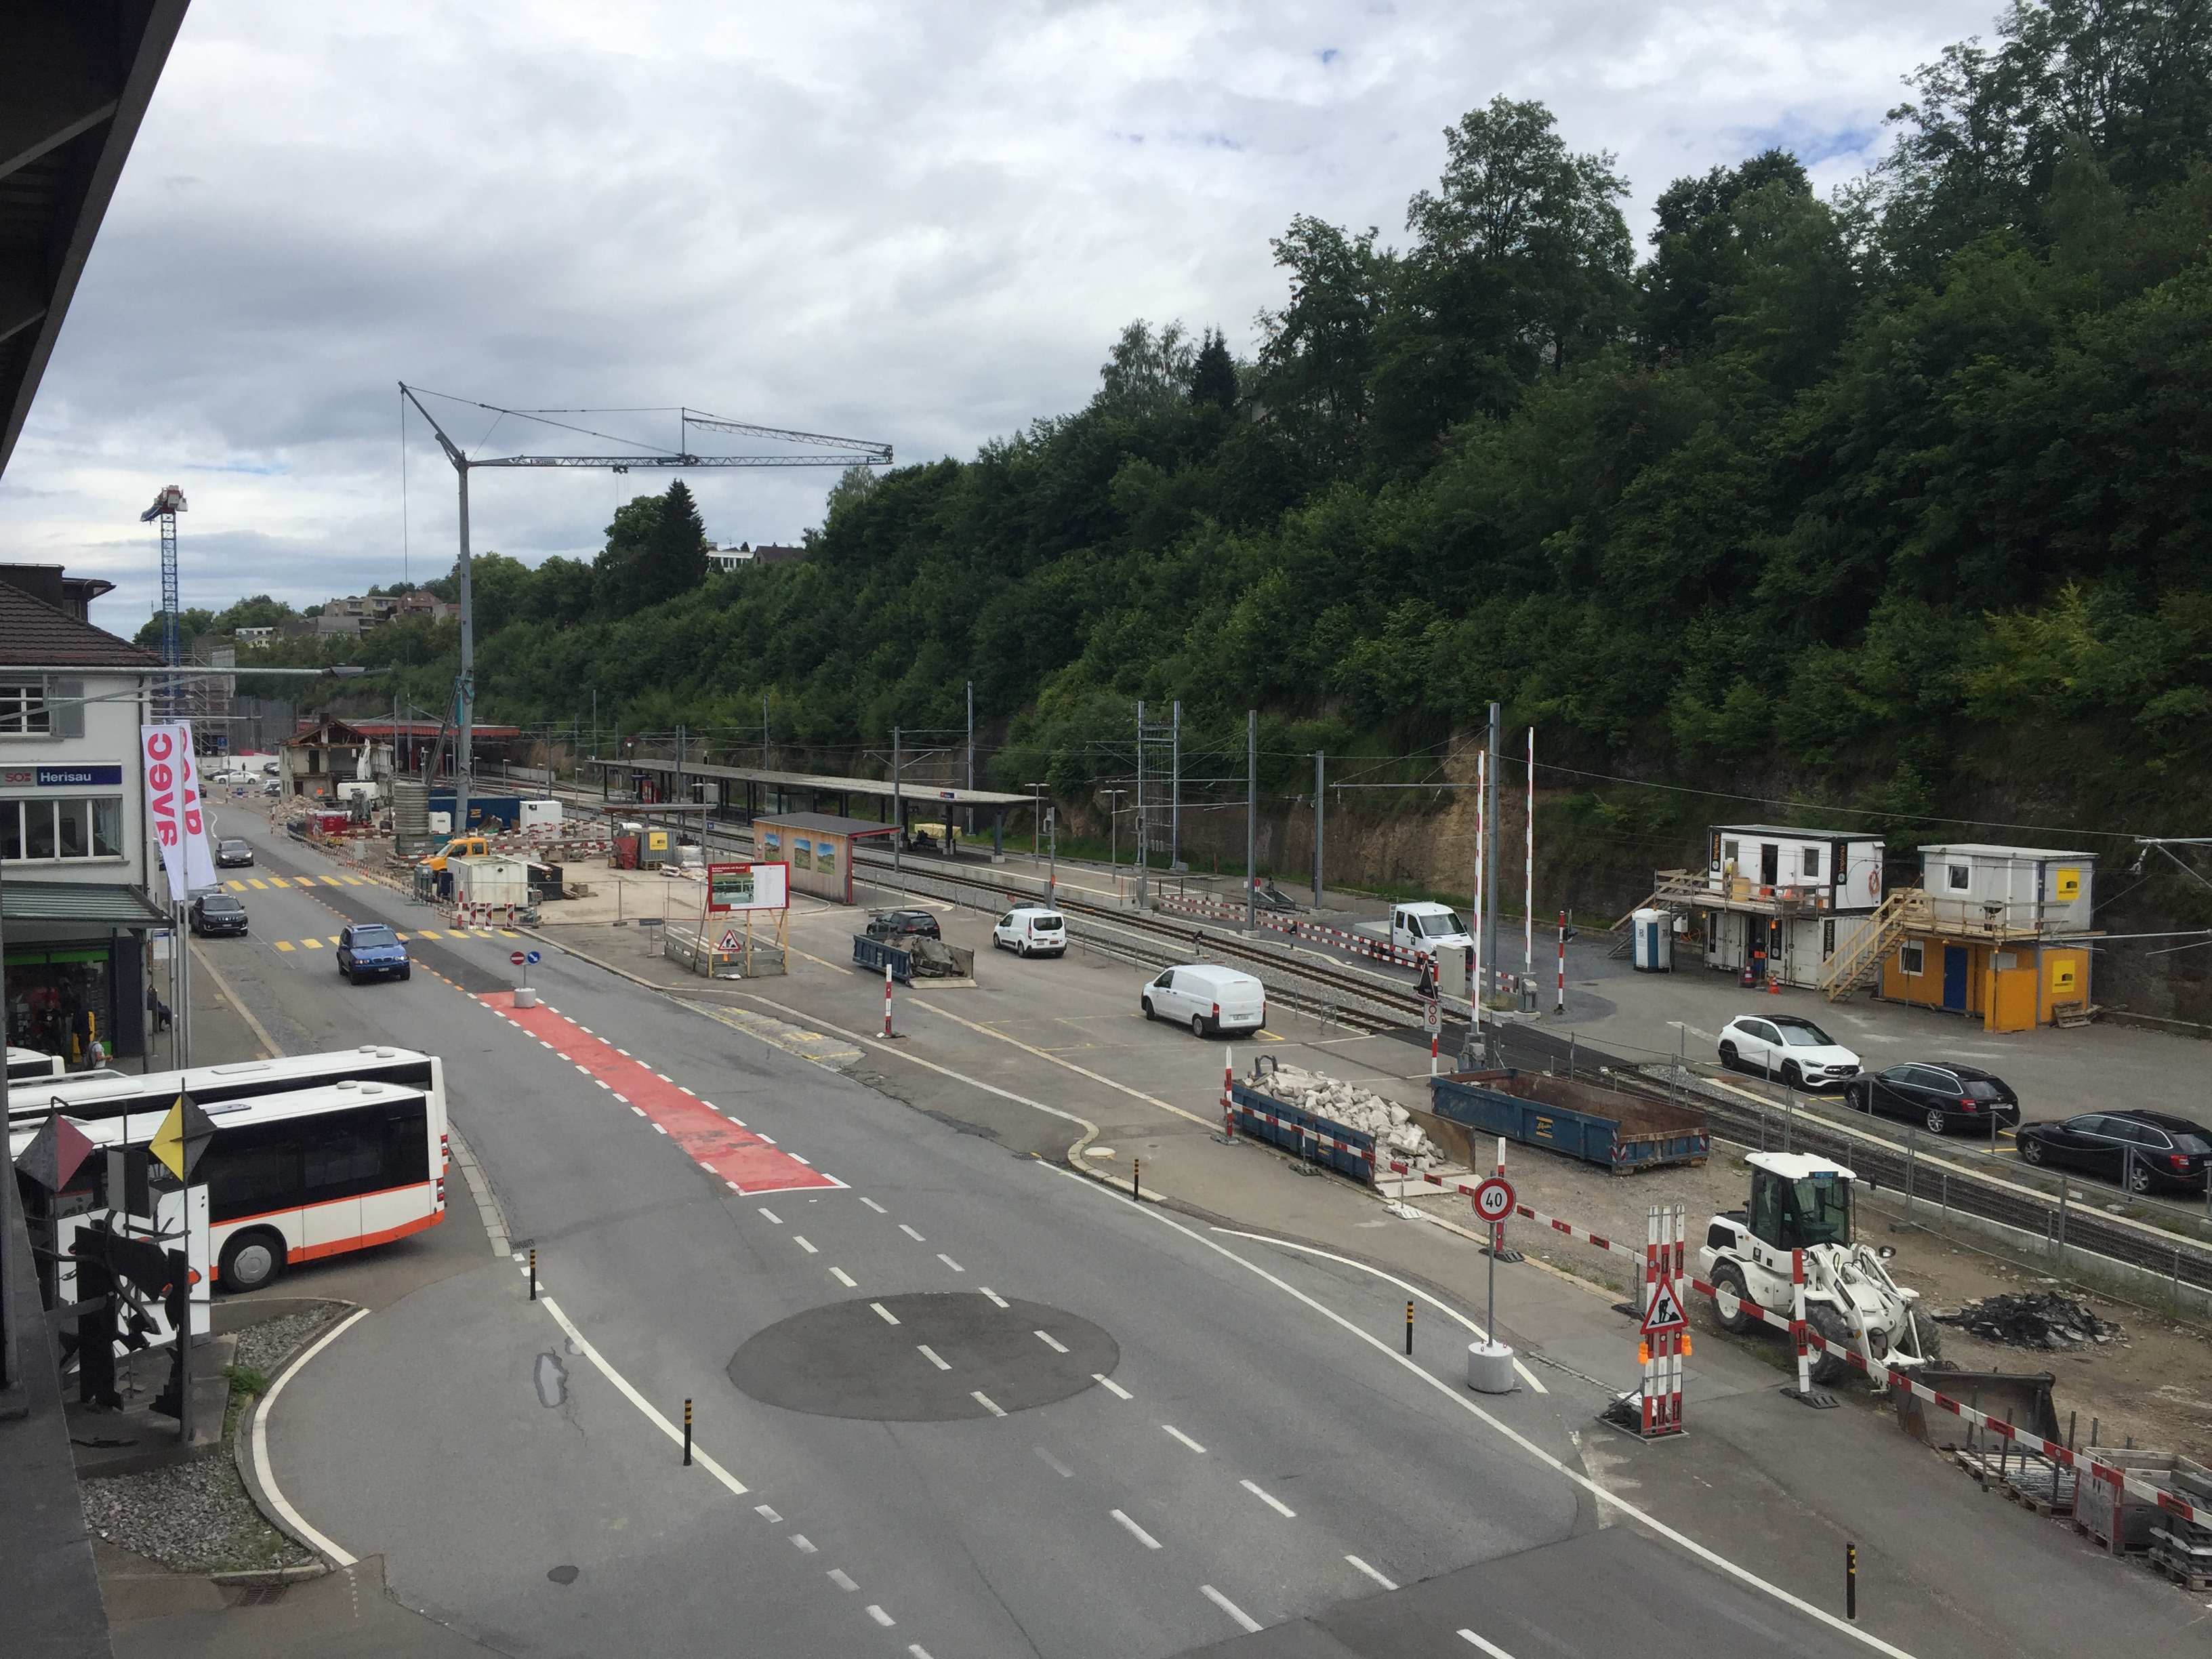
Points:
(595, 724)
(1144, 857)
(971, 755)
(898, 807)
(766, 750)
(1251, 817)
(1175, 801)
(1319, 772)
(1490, 853)
(1113, 826)
(1529, 887)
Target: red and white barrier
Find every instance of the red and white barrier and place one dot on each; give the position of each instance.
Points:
(1228, 1102)
(1358, 944)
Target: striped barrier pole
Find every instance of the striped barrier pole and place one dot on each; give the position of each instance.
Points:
(1644, 1309)
(887, 1000)
(1797, 1322)
(1563, 961)
(1228, 1106)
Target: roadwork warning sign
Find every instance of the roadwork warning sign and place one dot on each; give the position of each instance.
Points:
(1665, 1313)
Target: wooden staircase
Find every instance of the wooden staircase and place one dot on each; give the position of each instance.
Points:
(1852, 967)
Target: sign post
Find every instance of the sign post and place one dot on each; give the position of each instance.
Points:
(1663, 1335)
(1490, 1361)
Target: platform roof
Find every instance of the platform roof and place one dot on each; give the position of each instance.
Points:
(874, 788)
(827, 823)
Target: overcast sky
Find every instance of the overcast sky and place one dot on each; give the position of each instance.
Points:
(919, 224)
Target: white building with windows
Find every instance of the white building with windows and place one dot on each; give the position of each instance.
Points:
(76, 912)
(1774, 902)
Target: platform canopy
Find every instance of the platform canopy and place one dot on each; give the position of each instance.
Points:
(914, 792)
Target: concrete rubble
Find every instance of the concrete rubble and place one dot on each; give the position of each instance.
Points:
(1391, 1124)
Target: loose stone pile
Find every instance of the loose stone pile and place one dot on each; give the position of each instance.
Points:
(1355, 1108)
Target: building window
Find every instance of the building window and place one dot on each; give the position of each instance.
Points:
(23, 711)
(44, 831)
(1812, 863)
(1912, 960)
(1960, 876)
(1731, 851)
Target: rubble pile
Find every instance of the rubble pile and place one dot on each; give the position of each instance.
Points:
(2031, 1319)
(1391, 1124)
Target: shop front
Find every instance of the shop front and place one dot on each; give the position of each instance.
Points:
(74, 968)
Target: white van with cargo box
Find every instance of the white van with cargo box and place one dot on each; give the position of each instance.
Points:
(1030, 929)
(1209, 999)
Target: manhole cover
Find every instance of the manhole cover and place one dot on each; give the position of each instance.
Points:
(848, 1359)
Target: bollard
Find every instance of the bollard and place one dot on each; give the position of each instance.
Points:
(533, 1273)
(1851, 1580)
(687, 1433)
(1409, 1325)
(1137, 1179)
(1228, 1105)
(887, 1000)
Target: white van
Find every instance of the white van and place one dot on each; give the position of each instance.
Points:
(1030, 929)
(1425, 928)
(1208, 998)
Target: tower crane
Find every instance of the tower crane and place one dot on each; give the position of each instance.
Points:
(167, 506)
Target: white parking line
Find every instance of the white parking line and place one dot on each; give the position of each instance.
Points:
(1141, 1535)
(930, 1354)
(1185, 1438)
(1271, 1501)
(1050, 1342)
(889, 1317)
(1250, 1623)
(1370, 1572)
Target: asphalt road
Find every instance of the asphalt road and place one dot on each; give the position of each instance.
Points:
(1250, 1455)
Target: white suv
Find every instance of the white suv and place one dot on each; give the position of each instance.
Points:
(1789, 1048)
(1030, 929)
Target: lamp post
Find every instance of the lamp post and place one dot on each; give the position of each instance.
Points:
(1113, 826)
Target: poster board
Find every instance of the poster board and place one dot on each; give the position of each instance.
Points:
(748, 887)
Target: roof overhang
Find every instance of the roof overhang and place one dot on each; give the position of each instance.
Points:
(100, 904)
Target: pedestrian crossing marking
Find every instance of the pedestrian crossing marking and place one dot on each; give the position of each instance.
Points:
(235, 886)
(508, 932)
(283, 944)
(262, 886)
(426, 933)
(278, 881)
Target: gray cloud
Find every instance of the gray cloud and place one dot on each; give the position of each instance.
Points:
(917, 225)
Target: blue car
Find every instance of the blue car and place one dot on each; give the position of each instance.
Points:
(370, 949)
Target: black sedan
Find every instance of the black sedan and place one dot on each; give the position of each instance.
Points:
(903, 924)
(2142, 1150)
(213, 914)
(1940, 1099)
(231, 853)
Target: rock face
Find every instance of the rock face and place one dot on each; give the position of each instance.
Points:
(1355, 1108)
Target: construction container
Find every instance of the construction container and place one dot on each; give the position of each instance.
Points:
(873, 953)
(1350, 1151)
(1654, 941)
(2119, 1520)
(1623, 1132)
(493, 878)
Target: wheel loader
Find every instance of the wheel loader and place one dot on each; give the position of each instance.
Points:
(1803, 1203)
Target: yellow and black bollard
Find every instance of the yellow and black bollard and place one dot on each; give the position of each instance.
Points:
(1851, 1580)
(533, 1273)
(687, 1434)
(1137, 1179)
(1409, 1325)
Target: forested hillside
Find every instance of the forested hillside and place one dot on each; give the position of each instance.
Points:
(1896, 501)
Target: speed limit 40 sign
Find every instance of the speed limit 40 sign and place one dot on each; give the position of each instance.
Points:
(1493, 1200)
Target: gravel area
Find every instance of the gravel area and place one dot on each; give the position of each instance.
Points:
(190, 1517)
(265, 1347)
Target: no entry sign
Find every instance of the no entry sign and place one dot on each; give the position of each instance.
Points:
(517, 957)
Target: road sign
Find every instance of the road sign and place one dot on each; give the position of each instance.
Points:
(1493, 1199)
(517, 957)
(1665, 1313)
(531, 957)
(730, 940)
(1433, 1015)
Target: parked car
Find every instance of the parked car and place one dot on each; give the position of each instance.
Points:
(212, 914)
(230, 852)
(2141, 1150)
(1030, 929)
(1211, 1000)
(1426, 928)
(370, 949)
(1784, 1047)
(898, 924)
(1940, 1097)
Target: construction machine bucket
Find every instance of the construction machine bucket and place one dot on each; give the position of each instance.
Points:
(2023, 1398)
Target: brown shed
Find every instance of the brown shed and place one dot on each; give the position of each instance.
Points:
(819, 847)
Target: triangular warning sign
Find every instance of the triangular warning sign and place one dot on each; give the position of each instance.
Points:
(182, 1138)
(1665, 1313)
(729, 939)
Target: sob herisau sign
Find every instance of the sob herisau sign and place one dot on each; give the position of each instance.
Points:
(172, 806)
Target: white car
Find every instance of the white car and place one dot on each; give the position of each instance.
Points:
(1209, 999)
(1030, 929)
(1788, 1048)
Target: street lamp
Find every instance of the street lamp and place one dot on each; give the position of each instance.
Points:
(1036, 823)
(1113, 826)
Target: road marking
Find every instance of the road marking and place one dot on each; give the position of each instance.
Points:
(880, 1616)
(617, 1093)
(261, 1468)
(1250, 1623)
(736, 1487)
(1185, 1438)
(1370, 1572)
(930, 1354)
(799, 1541)
(278, 881)
(796, 1159)
(769, 1138)
(427, 933)
(996, 1298)
(911, 1234)
(1704, 1552)
(987, 1402)
(1271, 1501)
(261, 885)
(235, 886)
(658, 1130)
(1490, 1648)
(950, 1262)
(1525, 1375)
(1050, 1342)
(771, 1215)
(767, 1514)
(841, 1579)
(624, 1053)
(889, 1318)
(1095, 1077)
(915, 1650)
(801, 1242)
(639, 1110)
(283, 944)
(1140, 1534)
(1054, 1464)
(1111, 1386)
(845, 1279)
(609, 1088)
(872, 1205)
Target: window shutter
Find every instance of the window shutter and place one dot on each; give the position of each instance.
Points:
(66, 700)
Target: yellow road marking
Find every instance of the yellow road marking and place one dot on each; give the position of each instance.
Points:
(506, 933)
(332, 881)
(235, 886)
(278, 881)
(263, 886)
(283, 944)
(426, 933)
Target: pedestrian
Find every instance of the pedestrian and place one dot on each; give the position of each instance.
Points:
(95, 1057)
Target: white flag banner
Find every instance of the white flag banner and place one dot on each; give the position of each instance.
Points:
(172, 805)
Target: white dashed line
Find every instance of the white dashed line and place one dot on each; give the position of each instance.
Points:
(889, 1318)
(542, 1043)
(691, 1092)
(1490, 1648)
(624, 1053)
(1050, 1342)
(1137, 1531)
(930, 1354)
(769, 1138)
(996, 1298)
(880, 1616)
(734, 1187)
(799, 1540)
(585, 1070)
(620, 1096)
(804, 1245)
(1055, 1465)
(767, 1514)
(1271, 1501)
(586, 1029)
(1370, 1572)
(950, 1262)
(1250, 1623)
(1111, 1387)
(664, 1077)
(658, 1128)
(796, 1159)
(639, 1110)
(872, 1205)
(987, 1402)
(911, 1234)
(845, 1279)
(601, 1081)
(771, 1215)
(1185, 1438)
(841, 1579)
(915, 1650)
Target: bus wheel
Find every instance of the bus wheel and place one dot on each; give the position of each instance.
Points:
(251, 1260)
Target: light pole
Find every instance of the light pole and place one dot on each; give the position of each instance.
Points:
(1036, 823)
(1113, 826)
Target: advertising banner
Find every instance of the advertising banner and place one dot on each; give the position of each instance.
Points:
(172, 806)
(748, 887)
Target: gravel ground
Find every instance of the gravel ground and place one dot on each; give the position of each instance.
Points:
(190, 1517)
(265, 1347)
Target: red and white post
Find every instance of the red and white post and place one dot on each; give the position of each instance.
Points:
(1227, 1104)
(887, 1000)
(1660, 1351)
(1797, 1323)
(1563, 961)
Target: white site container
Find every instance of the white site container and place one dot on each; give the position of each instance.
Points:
(1654, 941)
(492, 878)
(540, 814)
